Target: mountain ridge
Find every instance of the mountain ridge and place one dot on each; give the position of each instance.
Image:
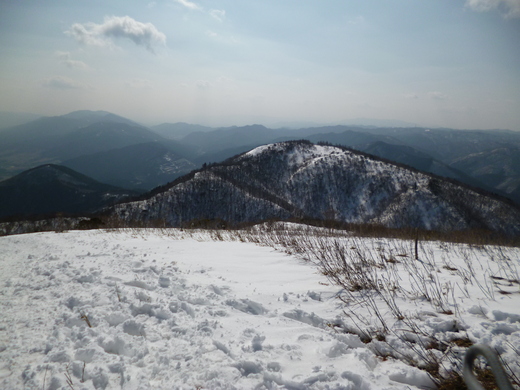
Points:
(300, 180)
(51, 188)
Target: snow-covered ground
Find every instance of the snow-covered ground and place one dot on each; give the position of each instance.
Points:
(141, 309)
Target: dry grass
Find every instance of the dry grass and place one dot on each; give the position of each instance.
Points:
(373, 293)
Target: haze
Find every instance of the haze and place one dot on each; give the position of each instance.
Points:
(443, 63)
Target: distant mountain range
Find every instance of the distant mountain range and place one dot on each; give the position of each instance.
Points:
(300, 180)
(179, 130)
(122, 153)
(96, 143)
(139, 167)
(10, 119)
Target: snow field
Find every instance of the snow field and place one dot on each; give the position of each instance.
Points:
(424, 311)
(143, 310)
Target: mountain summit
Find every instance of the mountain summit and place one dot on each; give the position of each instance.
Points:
(298, 179)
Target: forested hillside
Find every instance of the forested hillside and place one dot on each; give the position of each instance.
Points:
(301, 180)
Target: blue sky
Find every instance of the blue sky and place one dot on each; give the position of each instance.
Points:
(438, 63)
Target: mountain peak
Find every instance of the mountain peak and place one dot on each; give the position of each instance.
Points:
(298, 179)
(89, 117)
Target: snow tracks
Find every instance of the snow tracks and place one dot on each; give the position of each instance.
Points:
(141, 310)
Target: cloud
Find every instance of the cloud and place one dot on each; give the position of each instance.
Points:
(189, 4)
(218, 14)
(139, 83)
(510, 8)
(412, 95)
(142, 34)
(437, 95)
(60, 82)
(65, 59)
(202, 84)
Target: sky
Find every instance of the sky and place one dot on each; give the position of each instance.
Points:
(436, 63)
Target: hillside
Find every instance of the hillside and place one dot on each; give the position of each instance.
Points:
(99, 137)
(430, 150)
(53, 188)
(194, 309)
(499, 167)
(301, 180)
(141, 166)
(54, 139)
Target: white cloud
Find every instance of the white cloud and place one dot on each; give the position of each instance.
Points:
(88, 34)
(60, 82)
(189, 4)
(142, 34)
(139, 83)
(65, 59)
(202, 84)
(510, 8)
(218, 14)
(412, 95)
(437, 95)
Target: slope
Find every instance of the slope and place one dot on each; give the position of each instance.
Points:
(172, 309)
(51, 139)
(140, 167)
(53, 188)
(499, 167)
(301, 180)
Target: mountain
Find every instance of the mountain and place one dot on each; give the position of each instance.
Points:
(448, 145)
(46, 129)
(39, 133)
(99, 137)
(52, 188)
(370, 122)
(231, 137)
(301, 180)
(10, 119)
(89, 117)
(349, 138)
(54, 139)
(178, 130)
(456, 154)
(422, 161)
(138, 167)
(499, 167)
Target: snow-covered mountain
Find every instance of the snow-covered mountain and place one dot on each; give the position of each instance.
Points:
(301, 180)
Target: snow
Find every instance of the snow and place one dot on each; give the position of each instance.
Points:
(167, 309)
(258, 150)
(290, 180)
(298, 155)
